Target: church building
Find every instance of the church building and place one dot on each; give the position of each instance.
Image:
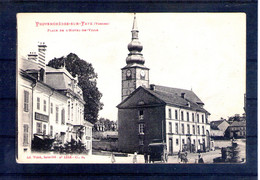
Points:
(151, 112)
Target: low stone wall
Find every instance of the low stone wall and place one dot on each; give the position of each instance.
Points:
(105, 145)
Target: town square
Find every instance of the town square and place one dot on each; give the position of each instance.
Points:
(142, 112)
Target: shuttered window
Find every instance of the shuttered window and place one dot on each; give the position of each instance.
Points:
(25, 134)
(26, 101)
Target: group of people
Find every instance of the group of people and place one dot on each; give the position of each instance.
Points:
(113, 159)
(182, 157)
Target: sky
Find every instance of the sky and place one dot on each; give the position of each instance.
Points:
(205, 52)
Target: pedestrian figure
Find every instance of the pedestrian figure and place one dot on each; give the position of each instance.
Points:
(113, 160)
(146, 157)
(179, 156)
(184, 157)
(201, 161)
(135, 158)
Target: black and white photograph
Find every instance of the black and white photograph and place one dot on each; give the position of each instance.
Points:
(131, 88)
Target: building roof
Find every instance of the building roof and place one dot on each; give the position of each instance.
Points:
(189, 94)
(134, 65)
(60, 70)
(87, 123)
(170, 97)
(30, 77)
(25, 64)
(238, 124)
(215, 124)
(58, 79)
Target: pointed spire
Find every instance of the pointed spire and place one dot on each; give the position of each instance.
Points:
(135, 23)
(134, 29)
(135, 47)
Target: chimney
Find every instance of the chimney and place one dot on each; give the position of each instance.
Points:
(152, 87)
(183, 95)
(32, 56)
(41, 55)
(41, 61)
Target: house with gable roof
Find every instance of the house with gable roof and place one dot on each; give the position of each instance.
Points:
(218, 128)
(161, 113)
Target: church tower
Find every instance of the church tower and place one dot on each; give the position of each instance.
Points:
(134, 74)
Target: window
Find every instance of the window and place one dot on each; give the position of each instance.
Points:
(141, 128)
(51, 108)
(38, 103)
(203, 130)
(198, 118)
(141, 142)
(26, 101)
(44, 105)
(188, 117)
(25, 134)
(206, 118)
(183, 142)
(170, 127)
(176, 128)
(57, 114)
(188, 129)
(170, 113)
(199, 141)
(62, 116)
(194, 141)
(198, 130)
(177, 141)
(182, 128)
(51, 130)
(176, 114)
(141, 115)
(38, 128)
(78, 113)
(182, 115)
(193, 129)
(202, 118)
(192, 117)
(44, 129)
(71, 111)
(68, 111)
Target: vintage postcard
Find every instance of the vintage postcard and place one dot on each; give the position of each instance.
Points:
(131, 88)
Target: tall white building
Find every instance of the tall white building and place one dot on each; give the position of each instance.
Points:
(50, 106)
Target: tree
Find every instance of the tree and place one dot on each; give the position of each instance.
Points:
(87, 81)
(108, 124)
